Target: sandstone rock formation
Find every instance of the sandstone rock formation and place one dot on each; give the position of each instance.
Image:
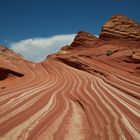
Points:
(83, 39)
(8, 54)
(76, 94)
(120, 26)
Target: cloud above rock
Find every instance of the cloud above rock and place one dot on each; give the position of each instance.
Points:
(37, 49)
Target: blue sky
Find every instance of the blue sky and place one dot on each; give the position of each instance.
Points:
(27, 19)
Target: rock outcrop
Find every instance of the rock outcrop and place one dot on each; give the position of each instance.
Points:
(120, 26)
(12, 67)
(6, 53)
(83, 39)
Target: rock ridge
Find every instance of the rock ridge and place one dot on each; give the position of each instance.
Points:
(84, 39)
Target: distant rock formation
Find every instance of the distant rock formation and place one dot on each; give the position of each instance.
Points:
(83, 39)
(120, 26)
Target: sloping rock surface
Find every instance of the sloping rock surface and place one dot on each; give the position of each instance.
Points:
(76, 94)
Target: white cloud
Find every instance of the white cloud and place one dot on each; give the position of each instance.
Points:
(37, 49)
(97, 36)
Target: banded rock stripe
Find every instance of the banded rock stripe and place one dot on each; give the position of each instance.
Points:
(59, 102)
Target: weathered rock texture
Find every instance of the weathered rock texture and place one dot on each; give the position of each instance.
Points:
(120, 26)
(84, 39)
(76, 94)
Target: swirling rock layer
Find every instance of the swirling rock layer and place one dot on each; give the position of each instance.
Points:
(73, 95)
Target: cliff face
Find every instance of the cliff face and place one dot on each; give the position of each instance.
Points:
(88, 90)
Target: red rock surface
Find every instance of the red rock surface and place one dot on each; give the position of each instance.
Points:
(83, 39)
(87, 94)
(120, 26)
